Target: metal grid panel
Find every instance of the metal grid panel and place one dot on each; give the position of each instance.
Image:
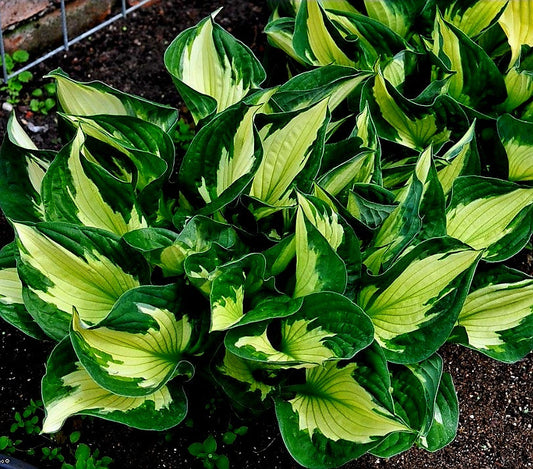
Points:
(66, 41)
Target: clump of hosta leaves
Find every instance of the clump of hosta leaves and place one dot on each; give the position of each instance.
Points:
(315, 247)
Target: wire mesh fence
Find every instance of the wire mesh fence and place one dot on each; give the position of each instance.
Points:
(67, 42)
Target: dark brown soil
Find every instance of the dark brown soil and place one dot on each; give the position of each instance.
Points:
(496, 400)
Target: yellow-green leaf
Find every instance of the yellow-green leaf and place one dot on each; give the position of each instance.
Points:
(74, 275)
(517, 25)
(69, 390)
(413, 131)
(334, 404)
(318, 47)
(286, 151)
(457, 159)
(476, 17)
(517, 139)
(414, 304)
(485, 220)
(299, 343)
(490, 311)
(403, 306)
(138, 347)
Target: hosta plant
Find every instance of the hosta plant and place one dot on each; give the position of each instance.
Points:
(312, 250)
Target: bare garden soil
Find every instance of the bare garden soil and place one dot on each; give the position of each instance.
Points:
(496, 400)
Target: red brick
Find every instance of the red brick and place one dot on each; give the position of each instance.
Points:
(46, 33)
(15, 11)
(131, 3)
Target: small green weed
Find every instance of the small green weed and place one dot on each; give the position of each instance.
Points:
(43, 99)
(183, 134)
(59, 450)
(51, 454)
(87, 460)
(206, 451)
(14, 85)
(8, 445)
(28, 420)
(231, 435)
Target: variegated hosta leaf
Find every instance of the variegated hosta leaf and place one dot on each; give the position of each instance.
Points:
(415, 303)
(331, 81)
(414, 390)
(12, 308)
(396, 173)
(399, 68)
(374, 40)
(222, 158)
(261, 99)
(292, 147)
(358, 169)
(370, 204)
(323, 218)
(516, 22)
(427, 375)
(18, 136)
(333, 405)
(203, 267)
(201, 233)
(159, 247)
(519, 88)
(339, 153)
(517, 139)
(68, 390)
(461, 159)
(527, 114)
(373, 373)
(399, 228)
(211, 69)
(318, 266)
(497, 317)
(330, 5)
(328, 326)
(22, 168)
(477, 82)
(137, 348)
(64, 266)
(317, 41)
(76, 190)
(406, 122)
(370, 373)
(236, 279)
(490, 214)
(397, 16)
(280, 255)
(169, 249)
(244, 372)
(365, 129)
(271, 307)
(519, 81)
(473, 16)
(280, 33)
(445, 417)
(321, 212)
(90, 99)
(432, 203)
(140, 144)
(425, 398)
(129, 135)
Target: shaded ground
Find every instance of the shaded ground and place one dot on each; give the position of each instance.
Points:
(495, 429)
